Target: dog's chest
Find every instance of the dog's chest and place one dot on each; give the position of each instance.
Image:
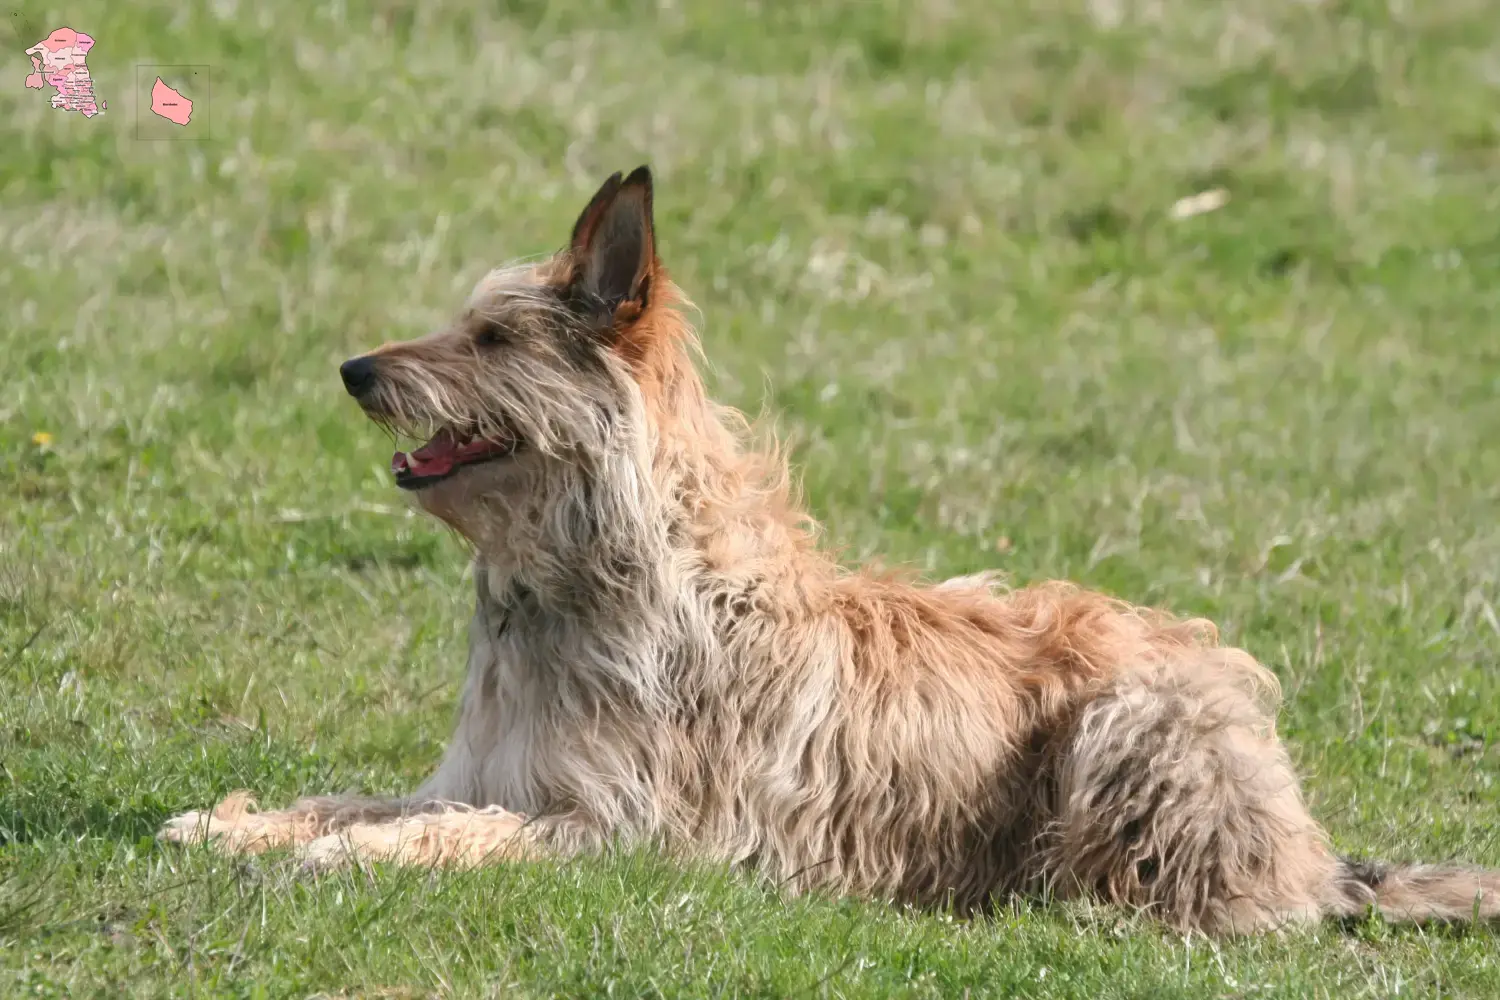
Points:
(538, 732)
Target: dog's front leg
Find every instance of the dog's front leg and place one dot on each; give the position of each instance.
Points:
(236, 826)
(455, 836)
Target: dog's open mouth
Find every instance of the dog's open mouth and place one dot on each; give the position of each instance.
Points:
(444, 455)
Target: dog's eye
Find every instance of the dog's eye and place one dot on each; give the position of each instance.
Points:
(490, 335)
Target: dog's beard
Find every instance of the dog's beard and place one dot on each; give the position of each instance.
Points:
(497, 508)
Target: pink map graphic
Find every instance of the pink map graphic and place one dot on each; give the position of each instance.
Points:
(58, 61)
(170, 104)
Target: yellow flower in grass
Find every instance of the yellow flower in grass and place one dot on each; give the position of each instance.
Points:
(41, 439)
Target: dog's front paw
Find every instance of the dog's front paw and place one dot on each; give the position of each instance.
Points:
(200, 827)
(188, 828)
(235, 827)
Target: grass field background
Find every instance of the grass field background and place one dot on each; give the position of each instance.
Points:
(936, 238)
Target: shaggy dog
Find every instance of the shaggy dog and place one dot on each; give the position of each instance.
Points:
(660, 654)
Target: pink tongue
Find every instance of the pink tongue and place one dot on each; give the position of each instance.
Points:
(435, 458)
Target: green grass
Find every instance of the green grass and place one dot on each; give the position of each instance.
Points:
(935, 237)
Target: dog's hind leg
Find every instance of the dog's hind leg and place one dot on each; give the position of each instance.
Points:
(1175, 796)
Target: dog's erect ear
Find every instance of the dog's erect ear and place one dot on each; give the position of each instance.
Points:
(614, 245)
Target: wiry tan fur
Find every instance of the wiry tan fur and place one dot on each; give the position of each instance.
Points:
(661, 654)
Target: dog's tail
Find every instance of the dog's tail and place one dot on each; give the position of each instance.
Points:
(1416, 893)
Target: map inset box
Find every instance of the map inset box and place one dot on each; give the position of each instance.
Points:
(173, 101)
(58, 63)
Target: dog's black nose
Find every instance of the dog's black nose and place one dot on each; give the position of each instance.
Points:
(358, 375)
